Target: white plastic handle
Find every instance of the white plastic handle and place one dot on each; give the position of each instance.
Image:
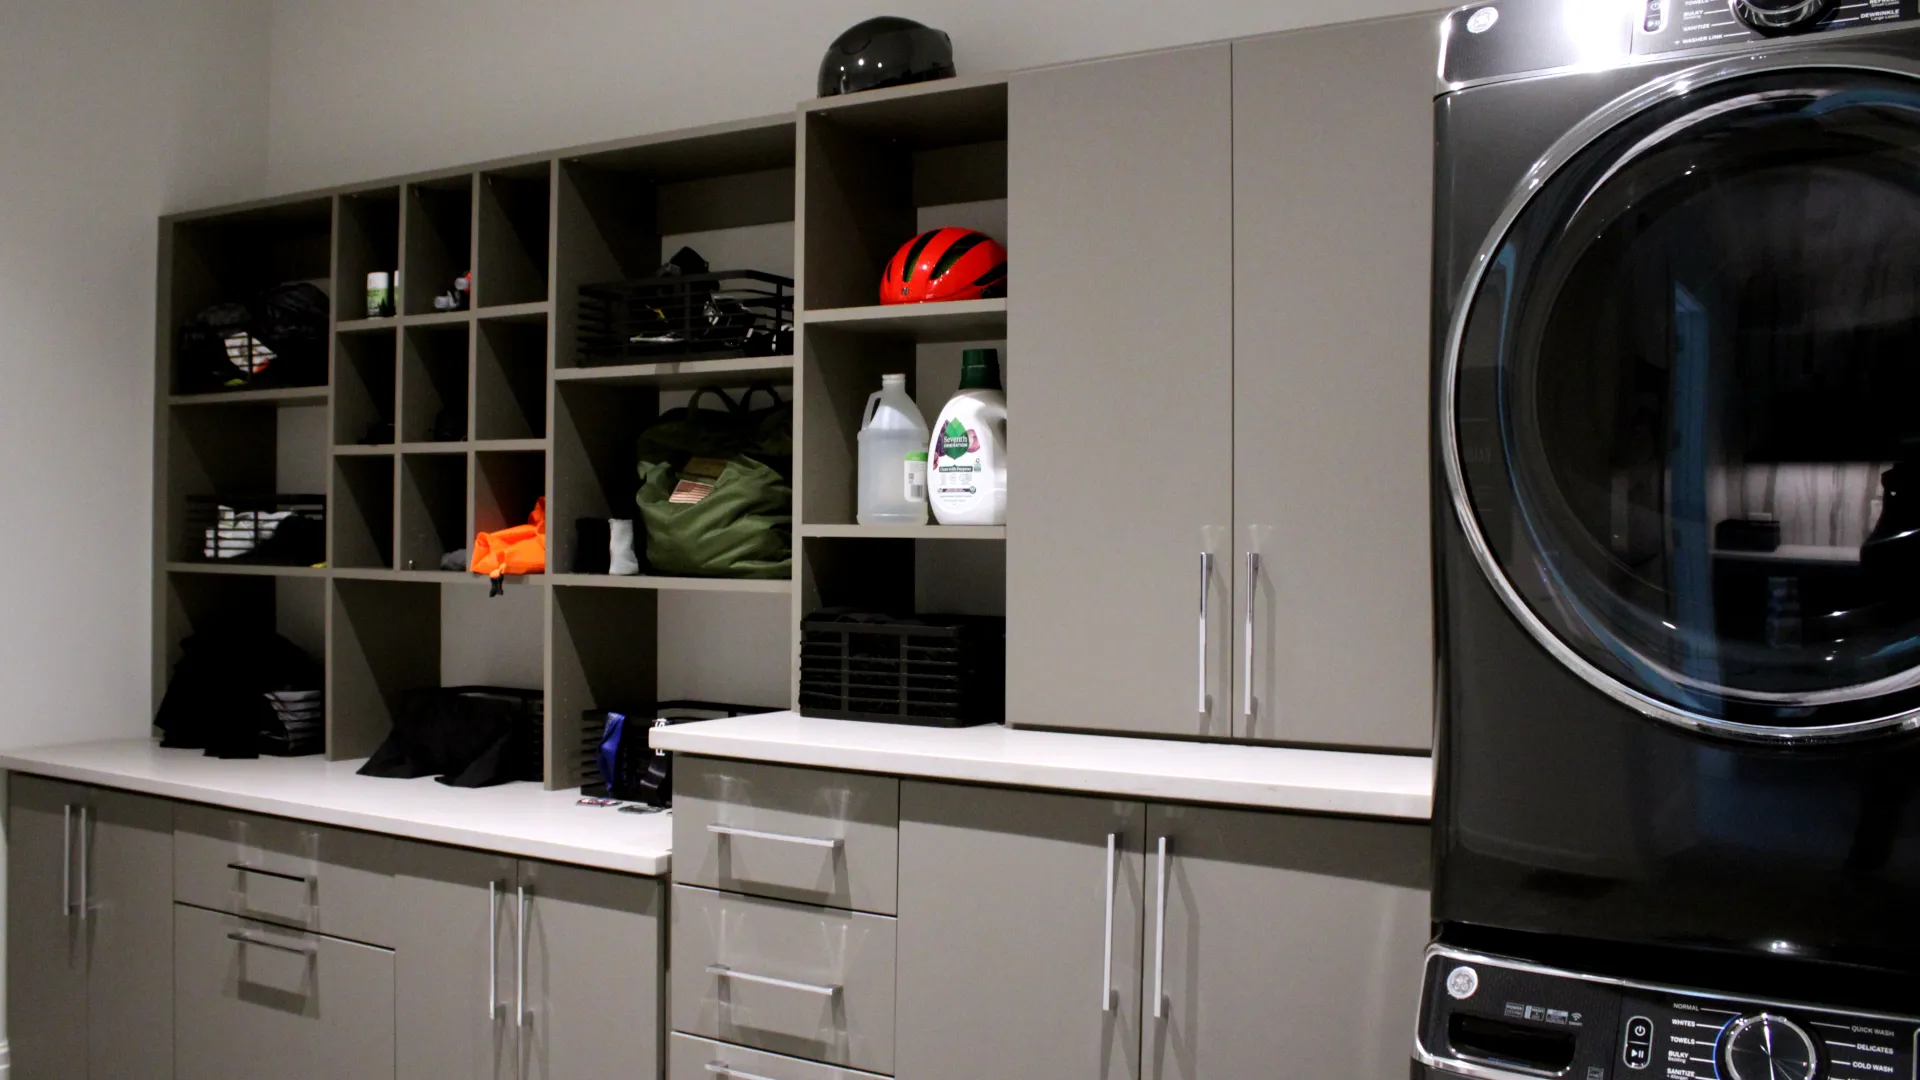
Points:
(873, 404)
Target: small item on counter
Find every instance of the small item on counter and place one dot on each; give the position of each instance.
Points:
(621, 560)
(380, 294)
(467, 736)
(643, 808)
(967, 470)
(598, 802)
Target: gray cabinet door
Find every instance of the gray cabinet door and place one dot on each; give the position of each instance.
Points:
(129, 930)
(1333, 163)
(46, 950)
(593, 973)
(453, 964)
(1120, 204)
(1009, 965)
(1292, 945)
(252, 999)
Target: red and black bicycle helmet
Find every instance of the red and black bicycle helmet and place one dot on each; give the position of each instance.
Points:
(945, 264)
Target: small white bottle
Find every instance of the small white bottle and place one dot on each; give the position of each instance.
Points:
(967, 470)
(893, 458)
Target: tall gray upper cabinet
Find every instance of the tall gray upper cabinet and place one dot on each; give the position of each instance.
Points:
(1223, 296)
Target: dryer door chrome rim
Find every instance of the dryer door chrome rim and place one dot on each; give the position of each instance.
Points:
(1681, 398)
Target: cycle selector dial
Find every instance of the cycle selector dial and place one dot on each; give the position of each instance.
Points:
(1780, 16)
(1769, 1047)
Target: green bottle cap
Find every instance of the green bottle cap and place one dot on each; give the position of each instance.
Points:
(980, 369)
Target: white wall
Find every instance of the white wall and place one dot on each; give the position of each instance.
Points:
(112, 112)
(370, 88)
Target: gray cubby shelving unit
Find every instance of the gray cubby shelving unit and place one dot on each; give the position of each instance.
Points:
(435, 425)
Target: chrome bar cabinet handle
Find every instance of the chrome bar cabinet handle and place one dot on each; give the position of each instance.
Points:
(1250, 706)
(819, 989)
(1106, 976)
(66, 861)
(493, 951)
(520, 967)
(84, 812)
(720, 1068)
(244, 938)
(1206, 582)
(729, 832)
(1160, 941)
(300, 879)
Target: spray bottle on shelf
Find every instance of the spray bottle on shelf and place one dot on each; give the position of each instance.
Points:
(967, 458)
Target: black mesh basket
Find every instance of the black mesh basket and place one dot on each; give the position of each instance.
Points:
(269, 530)
(732, 313)
(932, 670)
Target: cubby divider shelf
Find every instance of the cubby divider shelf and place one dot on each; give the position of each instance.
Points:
(246, 570)
(366, 326)
(355, 450)
(684, 374)
(530, 311)
(673, 584)
(292, 397)
(433, 577)
(434, 318)
(904, 532)
(953, 320)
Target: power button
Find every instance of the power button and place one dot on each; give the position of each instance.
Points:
(1656, 16)
(1638, 1051)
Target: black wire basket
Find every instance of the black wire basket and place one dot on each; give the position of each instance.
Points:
(265, 530)
(732, 313)
(931, 670)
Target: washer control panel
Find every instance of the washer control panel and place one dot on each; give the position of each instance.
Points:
(1496, 1017)
(1672, 25)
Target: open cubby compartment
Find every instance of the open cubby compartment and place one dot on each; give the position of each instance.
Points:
(506, 486)
(515, 241)
(383, 641)
(438, 244)
(604, 656)
(436, 376)
(880, 170)
(903, 577)
(510, 378)
(360, 512)
(433, 509)
(365, 387)
(233, 258)
(727, 192)
(366, 241)
(839, 372)
(595, 469)
(219, 449)
(192, 603)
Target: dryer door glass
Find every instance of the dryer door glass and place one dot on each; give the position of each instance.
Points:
(1686, 407)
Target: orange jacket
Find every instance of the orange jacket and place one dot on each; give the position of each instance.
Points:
(519, 550)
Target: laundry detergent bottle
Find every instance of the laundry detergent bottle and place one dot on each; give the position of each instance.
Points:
(893, 458)
(967, 459)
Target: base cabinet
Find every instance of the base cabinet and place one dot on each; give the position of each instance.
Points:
(1282, 945)
(1020, 915)
(89, 937)
(256, 999)
(1262, 944)
(594, 947)
(453, 965)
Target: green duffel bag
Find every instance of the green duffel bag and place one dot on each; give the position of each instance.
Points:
(716, 489)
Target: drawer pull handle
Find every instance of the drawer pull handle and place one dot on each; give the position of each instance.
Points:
(721, 1068)
(1106, 977)
(244, 938)
(1160, 940)
(785, 838)
(725, 972)
(275, 874)
(493, 951)
(66, 862)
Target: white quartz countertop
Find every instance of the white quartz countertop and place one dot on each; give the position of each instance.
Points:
(518, 819)
(1318, 781)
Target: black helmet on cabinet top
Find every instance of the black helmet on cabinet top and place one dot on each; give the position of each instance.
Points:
(886, 51)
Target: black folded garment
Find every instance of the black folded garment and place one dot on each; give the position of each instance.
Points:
(467, 736)
(223, 692)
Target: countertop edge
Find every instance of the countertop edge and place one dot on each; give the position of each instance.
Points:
(639, 865)
(1346, 800)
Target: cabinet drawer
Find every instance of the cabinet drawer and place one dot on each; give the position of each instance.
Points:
(254, 999)
(791, 834)
(693, 1058)
(804, 981)
(331, 881)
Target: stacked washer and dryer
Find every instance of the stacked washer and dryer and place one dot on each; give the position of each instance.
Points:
(1677, 521)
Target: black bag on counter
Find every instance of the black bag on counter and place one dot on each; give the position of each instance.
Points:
(468, 736)
(238, 693)
(618, 760)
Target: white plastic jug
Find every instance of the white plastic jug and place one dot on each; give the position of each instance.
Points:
(893, 458)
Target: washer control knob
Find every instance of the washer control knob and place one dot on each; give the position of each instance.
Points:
(1780, 16)
(1768, 1047)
